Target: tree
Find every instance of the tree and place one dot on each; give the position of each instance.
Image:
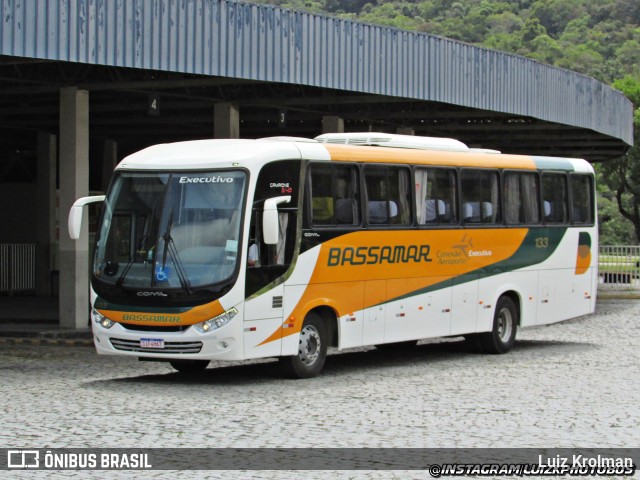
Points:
(614, 228)
(504, 22)
(628, 54)
(532, 28)
(544, 49)
(622, 175)
(554, 15)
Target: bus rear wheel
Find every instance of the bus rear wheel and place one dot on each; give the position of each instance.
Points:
(312, 349)
(505, 323)
(189, 366)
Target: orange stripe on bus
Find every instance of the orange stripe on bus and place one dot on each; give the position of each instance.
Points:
(452, 253)
(195, 315)
(583, 259)
(351, 153)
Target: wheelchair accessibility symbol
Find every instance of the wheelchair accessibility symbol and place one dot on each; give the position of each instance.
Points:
(162, 273)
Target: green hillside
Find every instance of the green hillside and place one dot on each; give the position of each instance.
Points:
(599, 38)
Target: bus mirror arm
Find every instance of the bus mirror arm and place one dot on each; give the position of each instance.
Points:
(75, 214)
(270, 224)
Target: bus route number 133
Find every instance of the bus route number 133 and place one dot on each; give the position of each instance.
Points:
(542, 242)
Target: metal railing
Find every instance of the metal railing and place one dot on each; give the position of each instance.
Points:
(17, 267)
(619, 267)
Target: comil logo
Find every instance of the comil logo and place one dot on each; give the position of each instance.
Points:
(151, 294)
(23, 459)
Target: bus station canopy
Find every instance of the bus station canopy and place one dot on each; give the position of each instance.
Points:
(155, 69)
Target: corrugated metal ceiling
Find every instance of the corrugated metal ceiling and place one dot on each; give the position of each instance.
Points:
(262, 42)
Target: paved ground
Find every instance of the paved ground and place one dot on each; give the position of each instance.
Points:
(573, 384)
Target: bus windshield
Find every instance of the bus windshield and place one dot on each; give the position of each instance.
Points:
(170, 230)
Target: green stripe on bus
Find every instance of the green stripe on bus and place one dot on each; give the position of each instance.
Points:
(102, 304)
(538, 245)
(553, 163)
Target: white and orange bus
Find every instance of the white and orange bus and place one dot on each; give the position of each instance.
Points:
(239, 249)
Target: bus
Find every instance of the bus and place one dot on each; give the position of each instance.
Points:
(283, 247)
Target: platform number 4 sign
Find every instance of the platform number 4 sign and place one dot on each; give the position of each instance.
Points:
(153, 107)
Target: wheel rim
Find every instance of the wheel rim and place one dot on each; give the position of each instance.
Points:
(505, 325)
(309, 345)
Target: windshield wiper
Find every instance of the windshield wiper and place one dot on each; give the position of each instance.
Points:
(166, 236)
(170, 248)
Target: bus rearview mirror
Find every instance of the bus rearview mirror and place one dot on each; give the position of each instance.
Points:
(270, 223)
(75, 214)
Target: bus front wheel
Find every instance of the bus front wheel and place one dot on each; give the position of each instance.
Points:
(505, 323)
(312, 349)
(189, 366)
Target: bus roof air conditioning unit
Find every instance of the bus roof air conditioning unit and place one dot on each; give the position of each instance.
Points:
(393, 140)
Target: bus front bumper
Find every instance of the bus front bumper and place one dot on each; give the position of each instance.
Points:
(221, 344)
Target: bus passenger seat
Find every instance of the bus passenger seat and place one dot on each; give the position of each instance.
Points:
(547, 210)
(393, 209)
(446, 216)
(345, 211)
(378, 211)
(322, 209)
(487, 212)
(471, 212)
(434, 210)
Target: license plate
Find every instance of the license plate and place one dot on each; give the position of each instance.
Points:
(152, 342)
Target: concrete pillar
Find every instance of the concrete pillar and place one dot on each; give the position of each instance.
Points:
(332, 124)
(405, 131)
(74, 183)
(109, 162)
(46, 211)
(226, 121)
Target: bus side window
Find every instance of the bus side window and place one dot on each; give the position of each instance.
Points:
(582, 198)
(275, 179)
(334, 195)
(278, 253)
(480, 196)
(435, 196)
(388, 195)
(555, 198)
(521, 198)
(261, 255)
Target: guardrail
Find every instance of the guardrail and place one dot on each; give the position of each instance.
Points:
(619, 267)
(17, 267)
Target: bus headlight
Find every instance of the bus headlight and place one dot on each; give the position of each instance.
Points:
(216, 322)
(97, 317)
